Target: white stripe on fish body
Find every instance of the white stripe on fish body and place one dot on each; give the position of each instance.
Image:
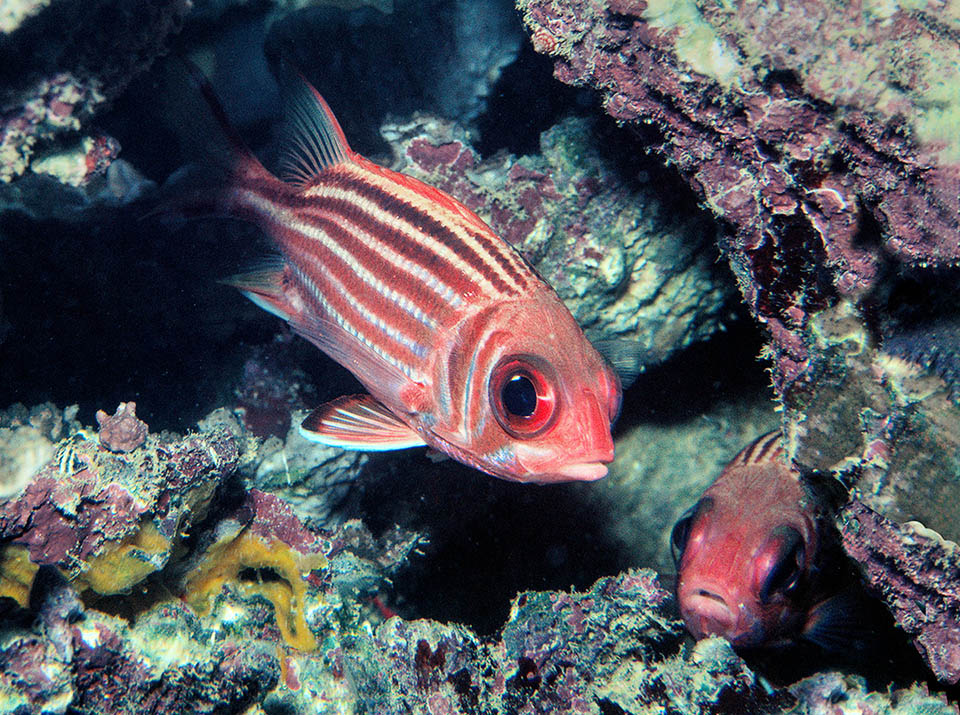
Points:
(325, 309)
(455, 221)
(413, 233)
(290, 220)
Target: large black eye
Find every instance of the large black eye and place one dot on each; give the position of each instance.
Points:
(784, 575)
(519, 396)
(681, 530)
(523, 396)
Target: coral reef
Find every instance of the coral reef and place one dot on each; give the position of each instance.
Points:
(122, 431)
(819, 132)
(244, 608)
(222, 572)
(312, 478)
(631, 272)
(916, 573)
(262, 545)
(610, 649)
(108, 520)
(833, 693)
(254, 610)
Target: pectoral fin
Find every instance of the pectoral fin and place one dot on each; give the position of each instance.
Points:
(359, 422)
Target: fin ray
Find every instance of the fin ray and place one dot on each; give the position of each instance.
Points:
(359, 422)
(314, 139)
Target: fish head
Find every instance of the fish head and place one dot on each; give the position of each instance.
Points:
(540, 400)
(745, 562)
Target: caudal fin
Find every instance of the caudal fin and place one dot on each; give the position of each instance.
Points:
(221, 160)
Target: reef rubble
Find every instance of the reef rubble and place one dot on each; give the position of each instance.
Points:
(173, 587)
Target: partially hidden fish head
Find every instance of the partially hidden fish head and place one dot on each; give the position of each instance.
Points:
(541, 401)
(746, 558)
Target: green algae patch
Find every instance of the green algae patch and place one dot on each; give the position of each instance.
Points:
(697, 43)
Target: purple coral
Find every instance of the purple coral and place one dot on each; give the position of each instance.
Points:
(821, 177)
(916, 574)
(122, 431)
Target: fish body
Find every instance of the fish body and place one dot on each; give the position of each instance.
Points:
(754, 563)
(461, 345)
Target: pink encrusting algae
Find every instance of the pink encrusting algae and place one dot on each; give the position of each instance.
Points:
(460, 344)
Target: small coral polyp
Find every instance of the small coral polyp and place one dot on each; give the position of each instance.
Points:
(234, 553)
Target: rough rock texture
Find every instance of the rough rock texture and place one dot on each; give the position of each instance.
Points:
(917, 574)
(610, 649)
(629, 269)
(252, 611)
(891, 428)
(107, 520)
(835, 694)
(122, 431)
(63, 61)
(824, 135)
(312, 478)
(819, 131)
(893, 419)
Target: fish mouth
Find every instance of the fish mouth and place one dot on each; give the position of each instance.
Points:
(583, 472)
(708, 614)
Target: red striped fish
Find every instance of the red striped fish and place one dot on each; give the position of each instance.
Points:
(460, 344)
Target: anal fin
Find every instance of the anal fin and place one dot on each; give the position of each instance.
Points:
(269, 287)
(359, 422)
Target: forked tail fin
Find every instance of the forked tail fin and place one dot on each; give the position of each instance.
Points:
(222, 161)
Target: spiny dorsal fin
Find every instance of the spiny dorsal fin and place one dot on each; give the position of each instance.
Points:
(358, 422)
(764, 449)
(314, 140)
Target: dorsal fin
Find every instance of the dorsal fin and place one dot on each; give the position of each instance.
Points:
(764, 449)
(314, 140)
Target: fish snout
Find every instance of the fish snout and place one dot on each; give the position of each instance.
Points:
(707, 613)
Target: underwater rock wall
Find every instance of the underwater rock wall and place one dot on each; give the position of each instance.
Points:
(820, 132)
(253, 612)
(824, 135)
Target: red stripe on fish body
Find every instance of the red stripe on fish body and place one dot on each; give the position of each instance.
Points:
(442, 321)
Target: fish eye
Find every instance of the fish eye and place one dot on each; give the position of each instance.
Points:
(681, 530)
(523, 397)
(784, 575)
(519, 396)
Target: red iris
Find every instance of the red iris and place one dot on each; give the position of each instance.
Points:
(523, 398)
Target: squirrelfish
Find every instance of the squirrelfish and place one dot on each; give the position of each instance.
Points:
(461, 345)
(755, 563)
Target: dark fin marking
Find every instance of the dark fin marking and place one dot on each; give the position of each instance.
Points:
(845, 623)
(358, 422)
(759, 450)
